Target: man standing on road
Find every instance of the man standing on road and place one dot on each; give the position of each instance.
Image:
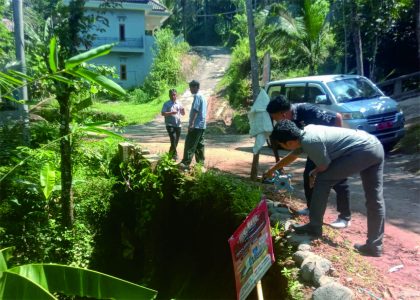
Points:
(194, 142)
(172, 111)
(337, 154)
(303, 114)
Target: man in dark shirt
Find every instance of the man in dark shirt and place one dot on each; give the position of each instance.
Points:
(303, 114)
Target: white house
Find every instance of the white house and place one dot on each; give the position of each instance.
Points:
(131, 23)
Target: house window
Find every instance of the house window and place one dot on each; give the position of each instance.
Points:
(123, 72)
(122, 32)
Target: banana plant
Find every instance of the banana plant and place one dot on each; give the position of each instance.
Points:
(64, 73)
(44, 281)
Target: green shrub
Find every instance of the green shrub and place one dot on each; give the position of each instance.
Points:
(43, 133)
(236, 79)
(32, 223)
(410, 143)
(241, 123)
(166, 68)
(138, 96)
(94, 115)
(49, 113)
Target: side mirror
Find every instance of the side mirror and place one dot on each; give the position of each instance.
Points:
(322, 99)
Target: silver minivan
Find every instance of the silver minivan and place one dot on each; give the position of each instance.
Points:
(361, 103)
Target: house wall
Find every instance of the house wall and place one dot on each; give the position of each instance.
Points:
(138, 64)
(138, 60)
(133, 20)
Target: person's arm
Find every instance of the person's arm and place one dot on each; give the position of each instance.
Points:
(314, 173)
(318, 169)
(168, 113)
(192, 120)
(196, 109)
(285, 161)
(338, 120)
(165, 111)
(275, 149)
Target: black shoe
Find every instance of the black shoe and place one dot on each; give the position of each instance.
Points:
(308, 229)
(369, 250)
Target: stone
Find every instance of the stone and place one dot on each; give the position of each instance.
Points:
(145, 151)
(304, 247)
(282, 210)
(288, 224)
(153, 159)
(269, 202)
(270, 206)
(332, 291)
(313, 267)
(297, 239)
(125, 150)
(324, 280)
(300, 256)
(278, 217)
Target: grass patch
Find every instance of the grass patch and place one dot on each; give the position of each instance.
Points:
(137, 113)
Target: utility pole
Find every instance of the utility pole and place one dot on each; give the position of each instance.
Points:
(253, 50)
(184, 19)
(20, 56)
(20, 42)
(254, 73)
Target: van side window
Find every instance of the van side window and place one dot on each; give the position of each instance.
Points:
(314, 90)
(295, 93)
(274, 91)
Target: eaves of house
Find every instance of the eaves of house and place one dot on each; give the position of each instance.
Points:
(155, 12)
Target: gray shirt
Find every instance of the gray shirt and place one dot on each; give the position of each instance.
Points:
(325, 143)
(199, 106)
(172, 120)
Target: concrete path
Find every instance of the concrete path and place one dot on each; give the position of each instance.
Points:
(209, 72)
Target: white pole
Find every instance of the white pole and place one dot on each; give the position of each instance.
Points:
(260, 291)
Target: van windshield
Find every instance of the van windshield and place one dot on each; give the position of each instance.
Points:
(353, 89)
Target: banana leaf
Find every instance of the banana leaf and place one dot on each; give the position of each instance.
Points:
(75, 61)
(53, 57)
(71, 281)
(5, 255)
(14, 286)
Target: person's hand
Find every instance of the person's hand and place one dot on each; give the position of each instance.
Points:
(312, 178)
(268, 174)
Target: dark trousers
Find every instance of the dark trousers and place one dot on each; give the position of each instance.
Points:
(341, 189)
(174, 133)
(194, 145)
(369, 162)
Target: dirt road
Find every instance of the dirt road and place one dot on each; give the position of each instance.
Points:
(233, 153)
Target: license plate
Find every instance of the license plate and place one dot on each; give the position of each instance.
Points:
(384, 125)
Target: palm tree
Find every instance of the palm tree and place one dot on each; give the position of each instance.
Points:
(308, 34)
